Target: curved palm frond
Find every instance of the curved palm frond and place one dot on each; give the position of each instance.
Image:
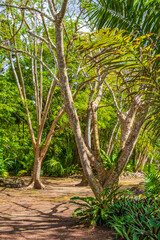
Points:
(141, 16)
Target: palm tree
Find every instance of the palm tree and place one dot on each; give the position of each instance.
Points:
(141, 16)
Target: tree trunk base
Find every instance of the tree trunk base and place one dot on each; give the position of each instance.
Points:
(35, 185)
(83, 182)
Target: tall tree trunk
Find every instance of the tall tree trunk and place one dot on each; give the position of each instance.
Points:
(84, 181)
(95, 132)
(126, 121)
(143, 163)
(71, 111)
(141, 159)
(86, 156)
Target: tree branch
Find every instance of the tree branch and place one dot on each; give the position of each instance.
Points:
(32, 56)
(63, 9)
(23, 102)
(27, 8)
(47, 33)
(114, 98)
(52, 8)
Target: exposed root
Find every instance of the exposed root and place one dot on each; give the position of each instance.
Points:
(35, 185)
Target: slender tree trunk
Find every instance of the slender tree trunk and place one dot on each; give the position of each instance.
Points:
(89, 120)
(127, 120)
(143, 163)
(111, 138)
(115, 172)
(95, 132)
(126, 126)
(112, 142)
(134, 157)
(84, 181)
(141, 159)
(150, 163)
(138, 162)
(36, 182)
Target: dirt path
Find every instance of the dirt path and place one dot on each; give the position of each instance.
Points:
(46, 214)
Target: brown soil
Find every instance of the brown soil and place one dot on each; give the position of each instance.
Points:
(46, 214)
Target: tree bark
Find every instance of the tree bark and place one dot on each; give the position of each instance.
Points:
(71, 111)
(112, 140)
(36, 182)
(126, 121)
(141, 159)
(115, 172)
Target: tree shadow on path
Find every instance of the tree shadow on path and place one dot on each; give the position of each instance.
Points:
(33, 223)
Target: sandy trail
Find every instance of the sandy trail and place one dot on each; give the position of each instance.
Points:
(46, 214)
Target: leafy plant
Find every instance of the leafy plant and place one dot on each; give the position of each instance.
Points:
(3, 171)
(135, 218)
(152, 184)
(53, 167)
(73, 169)
(93, 211)
(109, 162)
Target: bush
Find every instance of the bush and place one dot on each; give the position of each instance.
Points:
(152, 184)
(135, 218)
(53, 167)
(93, 211)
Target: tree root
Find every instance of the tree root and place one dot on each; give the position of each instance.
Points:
(35, 185)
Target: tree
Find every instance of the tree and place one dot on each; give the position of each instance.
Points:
(87, 158)
(32, 45)
(17, 44)
(139, 17)
(119, 53)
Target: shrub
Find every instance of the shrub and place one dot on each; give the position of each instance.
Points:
(93, 211)
(135, 218)
(152, 184)
(53, 167)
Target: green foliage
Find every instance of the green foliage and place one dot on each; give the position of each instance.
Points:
(109, 162)
(53, 167)
(135, 16)
(3, 172)
(93, 211)
(135, 218)
(152, 184)
(57, 168)
(131, 217)
(73, 169)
